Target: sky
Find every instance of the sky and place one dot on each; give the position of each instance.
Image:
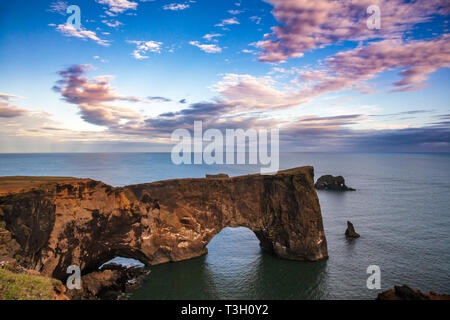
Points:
(137, 70)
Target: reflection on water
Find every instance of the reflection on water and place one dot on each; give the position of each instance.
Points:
(235, 268)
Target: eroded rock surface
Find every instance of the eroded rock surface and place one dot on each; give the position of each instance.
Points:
(86, 223)
(108, 283)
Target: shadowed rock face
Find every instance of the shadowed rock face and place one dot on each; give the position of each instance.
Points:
(329, 182)
(86, 223)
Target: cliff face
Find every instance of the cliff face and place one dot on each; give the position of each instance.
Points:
(86, 223)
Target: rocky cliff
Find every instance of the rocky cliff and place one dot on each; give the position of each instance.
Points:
(54, 223)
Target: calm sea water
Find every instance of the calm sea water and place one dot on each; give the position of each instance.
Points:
(401, 209)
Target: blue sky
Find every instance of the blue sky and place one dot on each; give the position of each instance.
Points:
(137, 70)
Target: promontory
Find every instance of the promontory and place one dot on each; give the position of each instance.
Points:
(50, 224)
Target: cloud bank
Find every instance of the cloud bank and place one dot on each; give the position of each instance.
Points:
(306, 25)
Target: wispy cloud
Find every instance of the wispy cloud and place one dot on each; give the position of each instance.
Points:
(256, 19)
(211, 36)
(208, 48)
(158, 99)
(175, 6)
(7, 110)
(249, 93)
(114, 7)
(112, 23)
(403, 113)
(142, 47)
(415, 59)
(229, 21)
(58, 7)
(70, 31)
(100, 59)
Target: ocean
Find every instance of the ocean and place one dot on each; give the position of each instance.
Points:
(401, 209)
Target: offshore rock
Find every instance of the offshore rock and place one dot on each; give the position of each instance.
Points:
(58, 222)
(329, 182)
(350, 232)
(406, 293)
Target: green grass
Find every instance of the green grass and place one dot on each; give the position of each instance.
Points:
(18, 286)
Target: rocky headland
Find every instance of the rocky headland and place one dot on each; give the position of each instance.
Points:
(49, 224)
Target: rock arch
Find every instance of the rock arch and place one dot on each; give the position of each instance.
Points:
(86, 222)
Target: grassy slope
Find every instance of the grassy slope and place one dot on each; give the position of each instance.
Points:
(19, 286)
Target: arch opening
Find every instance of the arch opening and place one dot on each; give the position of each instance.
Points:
(232, 240)
(124, 261)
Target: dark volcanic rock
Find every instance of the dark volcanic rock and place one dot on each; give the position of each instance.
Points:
(350, 232)
(109, 282)
(406, 293)
(86, 223)
(217, 176)
(329, 182)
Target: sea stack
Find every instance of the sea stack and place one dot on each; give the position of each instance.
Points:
(329, 182)
(350, 232)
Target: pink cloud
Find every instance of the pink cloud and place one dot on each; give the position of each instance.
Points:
(7, 110)
(94, 97)
(417, 59)
(249, 92)
(345, 70)
(309, 24)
